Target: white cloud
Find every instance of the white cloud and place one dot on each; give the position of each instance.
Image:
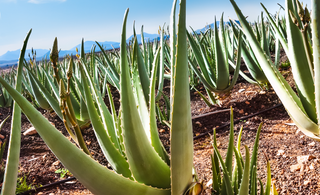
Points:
(43, 1)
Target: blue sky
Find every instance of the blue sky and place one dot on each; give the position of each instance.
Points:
(101, 20)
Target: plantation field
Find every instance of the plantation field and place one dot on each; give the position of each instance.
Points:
(39, 164)
(232, 110)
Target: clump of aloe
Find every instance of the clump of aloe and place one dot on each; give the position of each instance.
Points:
(239, 177)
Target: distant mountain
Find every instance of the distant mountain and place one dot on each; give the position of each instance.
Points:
(8, 63)
(146, 37)
(89, 44)
(14, 55)
(212, 26)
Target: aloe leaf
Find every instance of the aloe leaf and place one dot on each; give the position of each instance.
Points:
(239, 138)
(237, 69)
(109, 149)
(227, 189)
(268, 184)
(299, 63)
(238, 170)
(264, 42)
(181, 124)
(254, 156)
(2, 123)
(315, 15)
(43, 103)
(252, 65)
(105, 115)
(54, 89)
(222, 70)
(112, 79)
(215, 178)
(173, 42)
(155, 140)
(223, 41)
(141, 103)
(277, 44)
(115, 119)
(244, 186)
(229, 155)
(208, 103)
(146, 165)
(161, 65)
(143, 75)
(215, 158)
(202, 78)
(11, 170)
(274, 190)
(288, 97)
(253, 180)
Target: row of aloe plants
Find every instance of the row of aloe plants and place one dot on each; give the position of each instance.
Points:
(213, 51)
(129, 139)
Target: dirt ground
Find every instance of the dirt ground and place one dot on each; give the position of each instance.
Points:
(280, 140)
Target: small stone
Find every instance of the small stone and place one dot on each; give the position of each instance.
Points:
(280, 152)
(312, 150)
(241, 111)
(246, 114)
(262, 106)
(162, 130)
(311, 167)
(306, 182)
(241, 90)
(262, 92)
(1, 136)
(312, 144)
(56, 163)
(40, 193)
(247, 102)
(296, 167)
(30, 131)
(88, 143)
(303, 159)
(209, 183)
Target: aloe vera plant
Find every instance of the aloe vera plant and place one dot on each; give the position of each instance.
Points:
(5, 98)
(132, 152)
(11, 171)
(239, 177)
(303, 55)
(214, 65)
